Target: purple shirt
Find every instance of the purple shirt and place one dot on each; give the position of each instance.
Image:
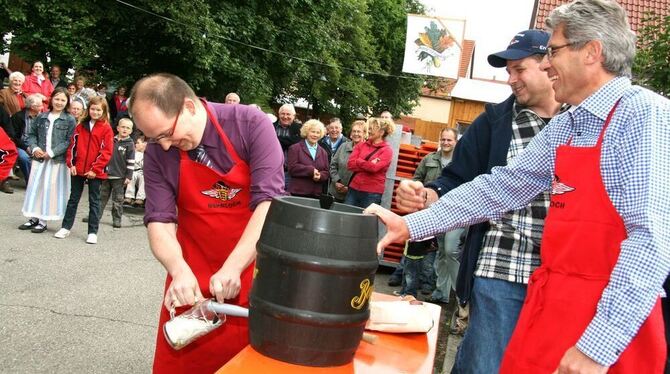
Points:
(255, 141)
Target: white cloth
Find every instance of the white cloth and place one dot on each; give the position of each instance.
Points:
(48, 191)
(399, 316)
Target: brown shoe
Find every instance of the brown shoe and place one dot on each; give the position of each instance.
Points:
(5, 187)
(127, 201)
(139, 203)
(459, 320)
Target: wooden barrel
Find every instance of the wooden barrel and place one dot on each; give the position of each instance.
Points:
(313, 281)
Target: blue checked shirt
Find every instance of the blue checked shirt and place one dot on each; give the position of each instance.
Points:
(635, 166)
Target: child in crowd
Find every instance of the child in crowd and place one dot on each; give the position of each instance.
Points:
(414, 254)
(47, 139)
(119, 171)
(133, 197)
(87, 157)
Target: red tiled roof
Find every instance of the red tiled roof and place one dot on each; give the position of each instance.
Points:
(635, 9)
(466, 58)
(441, 87)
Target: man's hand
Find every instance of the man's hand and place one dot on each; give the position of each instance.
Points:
(412, 196)
(90, 174)
(316, 175)
(183, 290)
(575, 362)
(73, 171)
(397, 230)
(126, 182)
(225, 283)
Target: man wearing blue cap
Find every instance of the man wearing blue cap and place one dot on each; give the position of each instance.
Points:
(500, 254)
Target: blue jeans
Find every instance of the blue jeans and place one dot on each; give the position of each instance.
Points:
(24, 163)
(93, 203)
(397, 273)
(411, 280)
(494, 310)
(362, 199)
(428, 271)
(425, 273)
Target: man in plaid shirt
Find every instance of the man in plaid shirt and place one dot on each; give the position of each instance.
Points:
(502, 253)
(594, 303)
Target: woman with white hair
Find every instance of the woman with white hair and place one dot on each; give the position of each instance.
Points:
(308, 162)
(12, 98)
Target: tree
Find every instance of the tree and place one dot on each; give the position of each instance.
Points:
(652, 62)
(344, 56)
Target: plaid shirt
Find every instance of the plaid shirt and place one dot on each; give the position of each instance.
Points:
(511, 248)
(635, 168)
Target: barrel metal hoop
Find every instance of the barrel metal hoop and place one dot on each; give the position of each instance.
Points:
(306, 317)
(319, 264)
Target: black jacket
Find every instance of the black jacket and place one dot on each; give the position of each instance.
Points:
(484, 145)
(122, 163)
(18, 126)
(292, 138)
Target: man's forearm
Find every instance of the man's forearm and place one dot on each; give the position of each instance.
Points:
(245, 250)
(165, 247)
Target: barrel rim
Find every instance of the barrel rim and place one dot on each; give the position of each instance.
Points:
(287, 200)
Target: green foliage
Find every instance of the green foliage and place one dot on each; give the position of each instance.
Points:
(652, 62)
(324, 51)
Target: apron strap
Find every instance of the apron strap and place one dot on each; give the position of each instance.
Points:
(607, 122)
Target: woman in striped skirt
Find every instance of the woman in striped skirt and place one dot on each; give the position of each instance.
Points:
(48, 188)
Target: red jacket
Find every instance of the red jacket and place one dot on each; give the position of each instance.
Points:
(370, 174)
(31, 86)
(91, 150)
(8, 154)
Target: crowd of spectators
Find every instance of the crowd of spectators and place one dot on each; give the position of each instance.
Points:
(47, 117)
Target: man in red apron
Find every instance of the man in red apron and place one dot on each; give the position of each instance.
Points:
(593, 305)
(209, 176)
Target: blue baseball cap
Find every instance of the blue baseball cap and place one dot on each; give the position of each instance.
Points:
(526, 43)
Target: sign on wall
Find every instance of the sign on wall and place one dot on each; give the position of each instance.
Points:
(433, 46)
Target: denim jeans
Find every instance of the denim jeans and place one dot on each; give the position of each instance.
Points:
(113, 188)
(93, 203)
(446, 264)
(24, 162)
(397, 273)
(428, 271)
(362, 199)
(494, 310)
(411, 279)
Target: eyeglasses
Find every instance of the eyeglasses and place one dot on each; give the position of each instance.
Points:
(164, 135)
(551, 51)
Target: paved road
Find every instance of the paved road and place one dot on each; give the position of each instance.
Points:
(71, 307)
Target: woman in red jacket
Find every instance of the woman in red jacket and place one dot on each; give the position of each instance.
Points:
(90, 150)
(369, 162)
(37, 83)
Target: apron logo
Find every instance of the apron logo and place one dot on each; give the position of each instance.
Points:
(3, 153)
(221, 192)
(357, 302)
(558, 188)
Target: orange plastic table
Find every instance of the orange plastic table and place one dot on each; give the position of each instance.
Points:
(391, 353)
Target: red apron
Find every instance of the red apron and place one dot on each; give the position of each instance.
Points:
(212, 212)
(580, 246)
